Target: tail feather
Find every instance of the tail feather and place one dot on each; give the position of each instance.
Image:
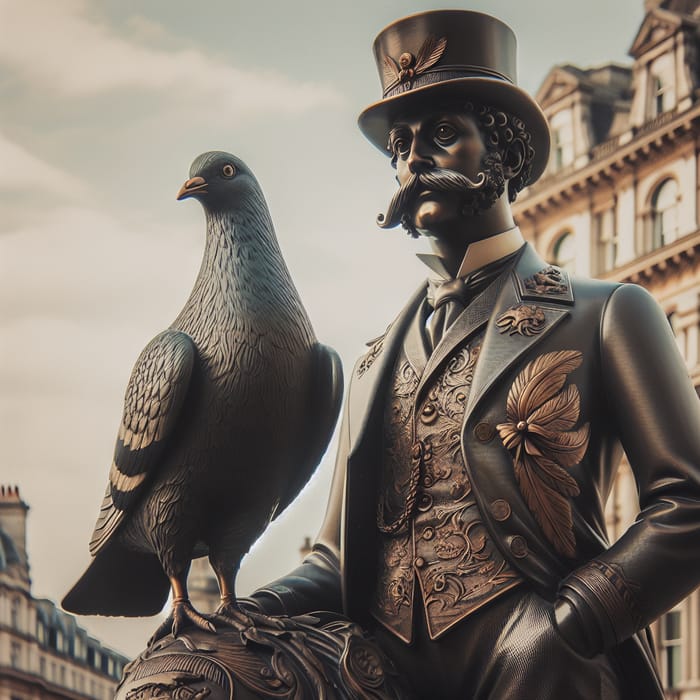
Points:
(107, 521)
(120, 582)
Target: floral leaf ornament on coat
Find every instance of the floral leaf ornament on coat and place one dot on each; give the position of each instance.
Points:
(541, 437)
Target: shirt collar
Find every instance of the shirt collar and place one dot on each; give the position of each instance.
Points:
(478, 254)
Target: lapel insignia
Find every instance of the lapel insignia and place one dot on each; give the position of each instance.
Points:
(375, 350)
(541, 437)
(546, 282)
(525, 319)
(410, 66)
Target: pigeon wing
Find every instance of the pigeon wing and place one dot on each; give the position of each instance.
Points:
(325, 398)
(153, 402)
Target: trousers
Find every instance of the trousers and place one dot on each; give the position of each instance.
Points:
(508, 650)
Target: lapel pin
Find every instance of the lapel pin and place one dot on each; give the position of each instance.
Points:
(525, 319)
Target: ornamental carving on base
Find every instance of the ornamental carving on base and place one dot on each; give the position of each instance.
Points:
(319, 657)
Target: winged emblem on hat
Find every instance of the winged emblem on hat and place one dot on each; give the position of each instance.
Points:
(409, 66)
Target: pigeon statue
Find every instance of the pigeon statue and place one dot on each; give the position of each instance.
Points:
(227, 414)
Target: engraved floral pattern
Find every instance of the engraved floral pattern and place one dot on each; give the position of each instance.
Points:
(445, 544)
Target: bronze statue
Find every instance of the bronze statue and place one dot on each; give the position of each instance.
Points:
(227, 414)
(482, 432)
(465, 529)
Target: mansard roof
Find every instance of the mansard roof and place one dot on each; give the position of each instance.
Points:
(8, 551)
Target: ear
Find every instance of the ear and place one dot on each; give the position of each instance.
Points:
(514, 159)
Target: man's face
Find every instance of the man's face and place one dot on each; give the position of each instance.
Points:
(444, 139)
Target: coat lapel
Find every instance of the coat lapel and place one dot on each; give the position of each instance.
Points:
(368, 379)
(503, 345)
(467, 323)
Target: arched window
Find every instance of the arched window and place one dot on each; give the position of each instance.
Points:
(664, 214)
(565, 251)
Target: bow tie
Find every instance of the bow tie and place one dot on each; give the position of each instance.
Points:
(449, 298)
(463, 290)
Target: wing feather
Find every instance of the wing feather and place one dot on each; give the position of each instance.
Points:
(540, 433)
(391, 70)
(154, 397)
(430, 53)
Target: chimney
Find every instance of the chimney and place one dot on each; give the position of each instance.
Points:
(13, 521)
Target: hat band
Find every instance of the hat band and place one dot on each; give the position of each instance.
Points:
(440, 75)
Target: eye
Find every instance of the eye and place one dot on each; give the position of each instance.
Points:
(228, 170)
(445, 133)
(399, 146)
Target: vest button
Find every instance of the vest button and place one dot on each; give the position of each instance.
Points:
(429, 414)
(484, 432)
(518, 547)
(419, 562)
(428, 533)
(425, 502)
(500, 509)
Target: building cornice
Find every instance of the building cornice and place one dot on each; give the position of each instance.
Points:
(608, 159)
(657, 265)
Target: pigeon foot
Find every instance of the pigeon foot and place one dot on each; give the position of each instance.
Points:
(182, 615)
(230, 614)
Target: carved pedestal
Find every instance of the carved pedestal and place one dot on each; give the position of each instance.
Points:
(309, 658)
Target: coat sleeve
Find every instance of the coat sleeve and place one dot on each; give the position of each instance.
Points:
(316, 583)
(655, 563)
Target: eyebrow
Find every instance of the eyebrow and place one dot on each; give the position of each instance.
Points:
(397, 129)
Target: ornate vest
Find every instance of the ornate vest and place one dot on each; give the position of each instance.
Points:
(441, 542)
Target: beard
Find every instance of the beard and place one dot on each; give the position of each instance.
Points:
(476, 196)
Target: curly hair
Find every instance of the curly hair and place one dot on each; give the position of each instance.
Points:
(507, 136)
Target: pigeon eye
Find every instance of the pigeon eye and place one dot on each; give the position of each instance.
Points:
(228, 170)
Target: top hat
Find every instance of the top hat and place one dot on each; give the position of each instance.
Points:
(446, 55)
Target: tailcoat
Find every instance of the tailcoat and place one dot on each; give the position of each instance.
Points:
(633, 394)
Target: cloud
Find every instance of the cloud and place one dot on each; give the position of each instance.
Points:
(22, 171)
(69, 53)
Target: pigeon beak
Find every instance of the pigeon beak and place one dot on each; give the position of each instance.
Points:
(193, 186)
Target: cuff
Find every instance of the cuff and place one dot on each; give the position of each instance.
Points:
(596, 608)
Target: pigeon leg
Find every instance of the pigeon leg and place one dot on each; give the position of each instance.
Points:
(182, 613)
(228, 612)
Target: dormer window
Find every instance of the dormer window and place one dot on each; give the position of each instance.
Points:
(662, 94)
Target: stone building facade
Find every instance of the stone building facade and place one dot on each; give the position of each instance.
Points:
(43, 652)
(620, 200)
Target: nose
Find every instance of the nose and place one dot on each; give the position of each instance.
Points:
(418, 160)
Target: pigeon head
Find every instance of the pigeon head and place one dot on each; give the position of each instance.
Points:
(219, 181)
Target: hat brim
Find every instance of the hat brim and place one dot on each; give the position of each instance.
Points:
(376, 120)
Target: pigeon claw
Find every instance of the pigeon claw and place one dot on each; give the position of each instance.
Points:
(230, 614)
(182, 615)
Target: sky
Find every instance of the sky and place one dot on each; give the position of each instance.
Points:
(103, 106)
